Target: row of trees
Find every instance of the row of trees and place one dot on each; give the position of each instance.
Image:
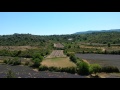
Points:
(27, 54)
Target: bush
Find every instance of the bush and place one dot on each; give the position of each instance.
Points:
(94, 68)
(10, 74)
(43, 68)
(5, 61)
(53, 69)
(58, 69)
(36, 62)
(27, 63)
(37, 55)
(109, 69)
(108, 44)
(82, 68)
(72, 70)
(70, 54)
(73, 58)
(14, 61)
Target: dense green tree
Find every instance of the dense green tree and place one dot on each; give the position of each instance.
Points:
(108, 44)
(83, 68)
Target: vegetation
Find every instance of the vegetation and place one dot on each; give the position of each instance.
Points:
(73, 58)
(58, 62)
(82, 68)
(36, 40)
(110, 69)
(10, 74)
(14, 61)
(58, 69)
(94, 68)
(41, 46)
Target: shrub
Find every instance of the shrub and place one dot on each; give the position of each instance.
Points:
(110, 69)
(108, 45)
(5, 61)
(58, 69)
(10, 61)
(36, 62)
(27, 63)
(82, 68)
(94, 68)
(43, 68)
(73, 58)
(70, 54)
(37, 55)
(72, 70)
(14, 61)
(10, 74)
(53, 69)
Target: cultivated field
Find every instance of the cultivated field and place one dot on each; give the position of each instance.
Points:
(13, 48)
(23, 60)
(56, 53)
(58, 62)
(102, 59)
(58, 45)
(103, 47)
(27, 72)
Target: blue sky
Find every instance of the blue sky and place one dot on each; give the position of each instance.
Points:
(50, 23)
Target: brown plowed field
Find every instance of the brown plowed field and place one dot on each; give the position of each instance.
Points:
(56, 53)
(58, 45)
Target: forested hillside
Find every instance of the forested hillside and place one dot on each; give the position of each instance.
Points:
(37, 40)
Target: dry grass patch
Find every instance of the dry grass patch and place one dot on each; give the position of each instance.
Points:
(13, 48)
(58, 62)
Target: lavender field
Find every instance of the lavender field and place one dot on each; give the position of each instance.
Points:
(102, 59)
(27, 72)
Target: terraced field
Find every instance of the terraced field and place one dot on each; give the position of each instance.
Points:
(58, 45)
(56, 53)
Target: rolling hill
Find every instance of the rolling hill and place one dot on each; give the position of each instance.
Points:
(93, 31)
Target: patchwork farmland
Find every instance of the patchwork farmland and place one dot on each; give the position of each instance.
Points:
(58, 59)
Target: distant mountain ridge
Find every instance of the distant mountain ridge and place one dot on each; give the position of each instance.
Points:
(92, 31)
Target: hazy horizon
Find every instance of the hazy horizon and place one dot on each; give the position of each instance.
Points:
(57, 23)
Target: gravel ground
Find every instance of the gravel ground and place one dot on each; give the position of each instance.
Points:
(27, 72)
